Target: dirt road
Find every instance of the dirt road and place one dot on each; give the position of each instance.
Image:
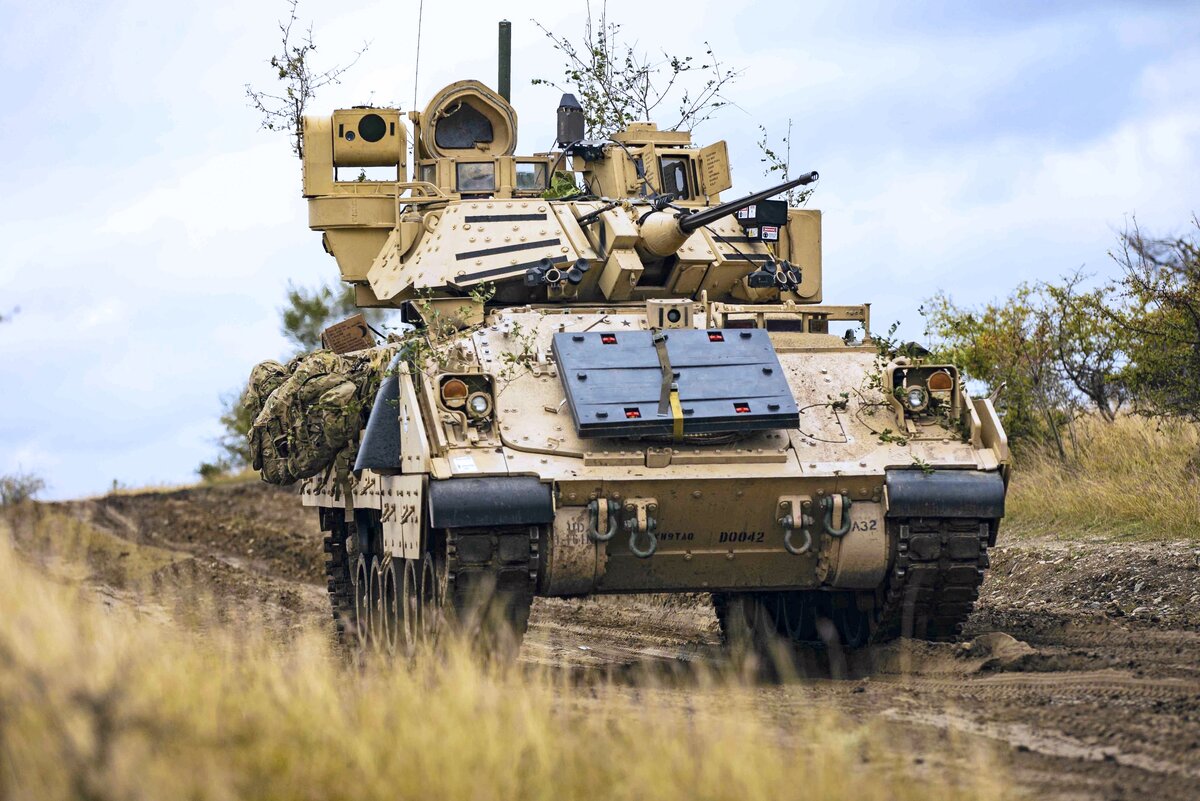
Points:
(1082, 661)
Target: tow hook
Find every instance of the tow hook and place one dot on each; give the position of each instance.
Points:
(791, 510)
(602, 520)
(641, 522)
(837, 506)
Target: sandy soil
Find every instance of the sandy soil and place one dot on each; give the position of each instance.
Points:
(1081, 663)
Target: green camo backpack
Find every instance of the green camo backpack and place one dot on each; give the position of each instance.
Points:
(315, 414)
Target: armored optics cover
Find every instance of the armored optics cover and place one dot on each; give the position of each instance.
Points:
(728, 380)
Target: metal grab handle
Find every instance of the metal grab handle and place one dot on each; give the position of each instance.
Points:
(827, 504)
(594, 521)
(789, 529)
(648, 552)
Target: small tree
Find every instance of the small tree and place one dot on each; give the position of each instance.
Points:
(19, 487)
(309, 311)
(233, 443)
(293, 66)
(1091, 342)
(618, 83)
(1011, 344)
(1161, 284)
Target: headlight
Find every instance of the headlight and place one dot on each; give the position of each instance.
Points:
(940, 382)
(454, 391)
(479, 405)
(916, 398)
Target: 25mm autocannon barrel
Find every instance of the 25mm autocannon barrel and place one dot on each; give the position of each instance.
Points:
(691, 222)
(663, 233)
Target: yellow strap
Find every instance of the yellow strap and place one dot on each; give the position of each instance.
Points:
(677, 413)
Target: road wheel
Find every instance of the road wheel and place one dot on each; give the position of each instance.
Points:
(362, 601)
(799, 616)
(410, 591)
(432, 595)
(376, 600)
(393, 608)
(853, 624)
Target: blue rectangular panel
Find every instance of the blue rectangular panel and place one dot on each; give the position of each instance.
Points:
(729, 380)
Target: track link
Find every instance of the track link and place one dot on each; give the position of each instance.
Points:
(339, 546)
(491, 575)
(938, 568)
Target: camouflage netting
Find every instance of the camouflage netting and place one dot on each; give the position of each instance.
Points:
(308, 414)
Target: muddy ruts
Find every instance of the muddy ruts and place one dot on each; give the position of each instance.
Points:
(490, 579)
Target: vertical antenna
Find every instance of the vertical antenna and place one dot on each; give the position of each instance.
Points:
(504, 79)
(417, 64)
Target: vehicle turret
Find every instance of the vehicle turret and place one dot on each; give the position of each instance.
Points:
(643, 221)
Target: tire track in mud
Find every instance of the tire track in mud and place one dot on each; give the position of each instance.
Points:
(1045, 742)
(1097, 683)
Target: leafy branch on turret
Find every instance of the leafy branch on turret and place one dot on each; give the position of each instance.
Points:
(778, 161)
(301, 80)
(618, 83)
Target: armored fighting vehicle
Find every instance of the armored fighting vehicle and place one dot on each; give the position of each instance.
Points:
(627, 385)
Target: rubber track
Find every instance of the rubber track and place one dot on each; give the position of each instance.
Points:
(500, 564)
(931, 590)
(935, 578)
(339, 575)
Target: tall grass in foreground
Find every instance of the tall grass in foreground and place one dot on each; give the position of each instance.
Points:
(108, 703)
(1132, 479)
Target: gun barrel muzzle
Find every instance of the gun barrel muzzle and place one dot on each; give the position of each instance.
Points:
(691, 222)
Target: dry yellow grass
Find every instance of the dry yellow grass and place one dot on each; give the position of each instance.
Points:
(244, 476)
(103, 701)
(1133, 479)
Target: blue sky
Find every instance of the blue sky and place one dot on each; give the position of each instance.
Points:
(150, 228)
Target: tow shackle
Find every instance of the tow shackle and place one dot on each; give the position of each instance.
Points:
(640, 522)
(830, 504)
(790, 529)
(612, 511)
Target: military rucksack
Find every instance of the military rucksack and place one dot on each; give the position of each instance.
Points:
(312, 418)
(265, 378)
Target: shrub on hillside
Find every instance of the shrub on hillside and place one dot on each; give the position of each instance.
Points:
(19, 487)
